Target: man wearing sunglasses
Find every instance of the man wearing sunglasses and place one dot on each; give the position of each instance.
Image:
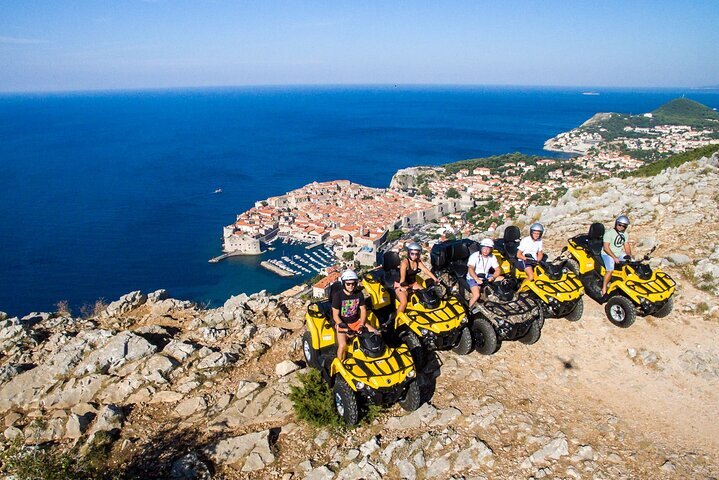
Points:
(616, 246)
(348, 311)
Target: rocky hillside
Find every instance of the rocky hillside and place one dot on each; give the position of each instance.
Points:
(184, 392)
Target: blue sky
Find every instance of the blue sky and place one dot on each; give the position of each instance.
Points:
(110, 44)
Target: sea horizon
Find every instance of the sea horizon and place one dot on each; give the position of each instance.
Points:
(104, 193)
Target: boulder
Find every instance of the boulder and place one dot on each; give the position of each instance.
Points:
(320, 473)
(420, 417)
(216, 360)
(252, 451)
(678, 259)
(191, 406)
(190, 467)
(157, 296)
(77, 425)
(121, 348)
(178, 350)
(125, 304)
(109, 418)
(555, 449)
(285, 368)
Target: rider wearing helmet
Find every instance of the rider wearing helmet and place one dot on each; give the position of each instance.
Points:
(616, 246)
(531, 245)
(348, 310)
(482, 266)
(408, 270)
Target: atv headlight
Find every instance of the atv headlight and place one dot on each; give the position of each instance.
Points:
(424, 331)
(359, 385)
(411, 374)
(464, 320)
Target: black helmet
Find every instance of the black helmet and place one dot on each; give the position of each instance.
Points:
(371, 344)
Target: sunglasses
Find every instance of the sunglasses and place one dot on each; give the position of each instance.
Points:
(414, 253)
(622, 225)
(350, 284)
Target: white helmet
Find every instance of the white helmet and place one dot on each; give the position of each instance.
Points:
(487, 242)
(414, 246)
(621, 219)
(537, 227)
(348, 276)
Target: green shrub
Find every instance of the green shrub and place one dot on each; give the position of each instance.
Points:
(36, 463)
(312, 401)
(674, 161)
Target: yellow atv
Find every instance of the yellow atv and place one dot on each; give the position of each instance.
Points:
(371, 372)
(635, 289)
(427, 323)
(501, 314)
(557, 288)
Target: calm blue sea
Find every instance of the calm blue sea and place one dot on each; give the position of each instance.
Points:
(104, 193)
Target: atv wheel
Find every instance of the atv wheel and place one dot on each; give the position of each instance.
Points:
(345, 402)
(573, 266)
(412, 398)
(486, 341)
(666, 309)
(415, 349)
(620, 311)
(311, 355)
(576, 314)
(465, 342)
(535, 331)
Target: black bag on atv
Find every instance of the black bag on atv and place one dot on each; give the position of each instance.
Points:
(498, 292)
(371, 344)
(428, 297)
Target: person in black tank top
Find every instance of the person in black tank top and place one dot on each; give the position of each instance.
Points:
(408, 271)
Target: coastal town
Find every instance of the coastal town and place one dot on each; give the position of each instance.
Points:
(355, 224)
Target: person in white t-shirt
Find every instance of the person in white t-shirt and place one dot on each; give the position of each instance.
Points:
(531, 245)
(482, 267)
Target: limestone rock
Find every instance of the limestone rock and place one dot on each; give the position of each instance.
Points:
(555, 449)
(191, 406)
(126, 303)
(190, 467)
(320, 473)
(678, 259)
(178, 350)
(420, 417)
(216, 360)
(285, 368)
(109, 418)
(121, 348)
(157, 296)
(77, 425)
(254, 447)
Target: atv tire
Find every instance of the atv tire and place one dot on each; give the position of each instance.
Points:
(576, 314)
(412, 398)
(465, 342)
(345, 401)
(620, 311)
(666, 309)
(311, 355)
(573, 266)
(535, 331)
(415, 349)
(486, 341)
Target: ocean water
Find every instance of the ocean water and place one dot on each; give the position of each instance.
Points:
(105, 193)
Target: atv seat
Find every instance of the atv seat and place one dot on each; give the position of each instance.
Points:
(509, 244)
(390, 268)
(596, 239)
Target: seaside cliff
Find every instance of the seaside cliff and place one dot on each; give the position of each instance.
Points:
(170, 389)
